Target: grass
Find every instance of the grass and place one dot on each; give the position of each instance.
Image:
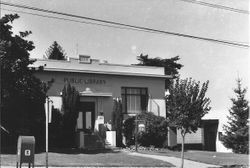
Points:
(117, 158)
(215, 158)
(97, 158)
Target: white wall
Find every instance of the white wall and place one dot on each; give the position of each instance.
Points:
(172, 137)
(219, 146)
(57, 101)
(192, 138)
(157, 106)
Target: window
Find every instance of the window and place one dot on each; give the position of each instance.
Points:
(134, 100)
(84, 59)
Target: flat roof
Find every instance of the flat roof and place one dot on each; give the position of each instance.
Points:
(74, 65)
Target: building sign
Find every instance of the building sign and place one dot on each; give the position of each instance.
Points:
(89, 81)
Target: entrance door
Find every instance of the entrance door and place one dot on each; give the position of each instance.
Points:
(88, 115)
(210, 132)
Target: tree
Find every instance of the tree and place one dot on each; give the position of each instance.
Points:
(22, 94)
(70, 99)
(55, 52)
(236, 132)
(55, 128)
(171, 66)
(117, 118)
(186, 105)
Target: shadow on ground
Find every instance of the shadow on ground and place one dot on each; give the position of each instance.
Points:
(83, 151)
(13, 150)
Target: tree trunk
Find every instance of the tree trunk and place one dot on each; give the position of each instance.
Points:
(182, 149)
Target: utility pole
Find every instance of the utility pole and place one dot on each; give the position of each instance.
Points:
(0, 94)
(47, 134)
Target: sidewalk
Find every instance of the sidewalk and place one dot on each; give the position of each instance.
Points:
(175, 161)
(78, 167)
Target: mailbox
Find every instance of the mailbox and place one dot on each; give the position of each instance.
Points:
(26, 150)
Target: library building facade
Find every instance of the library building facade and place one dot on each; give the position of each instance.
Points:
(141, 88)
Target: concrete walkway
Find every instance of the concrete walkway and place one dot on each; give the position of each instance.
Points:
(176, 161)
(81, 167)
(78, 167)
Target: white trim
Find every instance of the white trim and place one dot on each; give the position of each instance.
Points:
(96, 94)
(108, 73)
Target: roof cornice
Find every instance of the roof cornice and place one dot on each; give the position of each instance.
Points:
(107, 73)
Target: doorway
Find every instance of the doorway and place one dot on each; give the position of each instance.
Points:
(87, 111)
(210, 133)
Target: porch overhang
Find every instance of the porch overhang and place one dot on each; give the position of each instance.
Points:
(91, 94)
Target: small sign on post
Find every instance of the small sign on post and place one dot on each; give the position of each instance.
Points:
(139, 127)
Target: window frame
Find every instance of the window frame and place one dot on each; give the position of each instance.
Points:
(125, 94)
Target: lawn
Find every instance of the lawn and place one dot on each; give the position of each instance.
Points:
(98, 158)
(215, 158)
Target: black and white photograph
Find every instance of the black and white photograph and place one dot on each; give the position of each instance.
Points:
(128, 84)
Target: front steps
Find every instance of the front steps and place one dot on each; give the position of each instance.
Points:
(91, 141)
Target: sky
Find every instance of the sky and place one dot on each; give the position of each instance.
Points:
(220, 64)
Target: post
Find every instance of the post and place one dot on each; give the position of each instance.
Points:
(182, 149)
(0, 107)
(0, 99)
(47, 134)
(136, 133)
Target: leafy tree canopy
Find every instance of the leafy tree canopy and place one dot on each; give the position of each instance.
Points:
(186, 105)
(22, 93)
(236, 132)
(55, 52)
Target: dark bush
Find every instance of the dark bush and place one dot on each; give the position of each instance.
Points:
(55, 128)
(117, 118)
(128, 131)
(155, 133)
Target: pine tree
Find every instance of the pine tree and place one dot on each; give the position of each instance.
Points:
(55, 52)
(117, 118)
(70, 99)
(236, 132)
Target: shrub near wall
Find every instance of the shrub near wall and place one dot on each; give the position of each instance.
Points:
(155, 133)
(128, 130)
(56, 129)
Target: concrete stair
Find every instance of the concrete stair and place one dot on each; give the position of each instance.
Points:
(93, 142)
